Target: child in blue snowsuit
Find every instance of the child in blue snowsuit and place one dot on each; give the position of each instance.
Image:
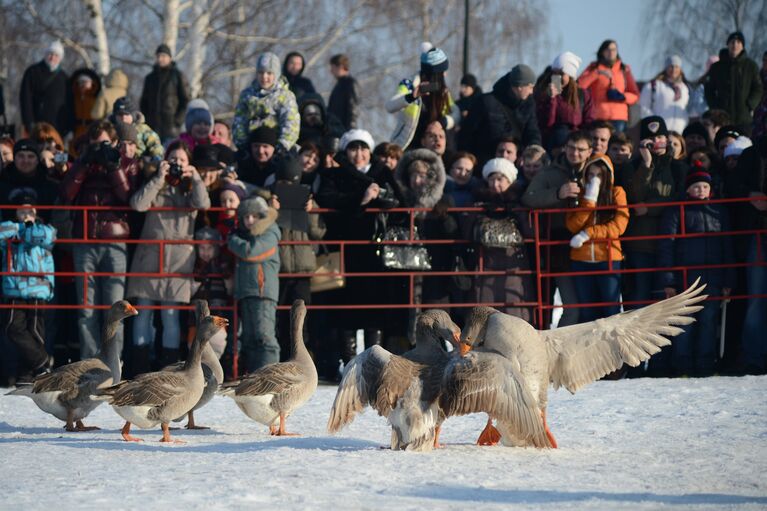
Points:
(256, 286)
(30, 243)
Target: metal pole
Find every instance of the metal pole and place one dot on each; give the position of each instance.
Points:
(466, 37)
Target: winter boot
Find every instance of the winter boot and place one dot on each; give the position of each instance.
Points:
(348, 345)
(140, 361)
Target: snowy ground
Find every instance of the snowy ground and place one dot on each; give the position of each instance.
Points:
(632, 444)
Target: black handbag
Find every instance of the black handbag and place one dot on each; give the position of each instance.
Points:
(400, 256)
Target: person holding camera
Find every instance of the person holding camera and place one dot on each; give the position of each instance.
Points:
(176, 184)
(103, 176)
(30, 252)
(656, 178)
(423, 99)
(561, 106)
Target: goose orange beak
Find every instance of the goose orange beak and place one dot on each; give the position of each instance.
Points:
(130, 309)
(456, 339)
(220, 322)
(464, 347)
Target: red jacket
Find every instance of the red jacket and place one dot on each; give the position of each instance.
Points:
(594, 80)
(92, 185)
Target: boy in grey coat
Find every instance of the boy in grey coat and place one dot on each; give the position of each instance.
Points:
(256, 285)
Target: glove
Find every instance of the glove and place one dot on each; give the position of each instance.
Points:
(579, 239)
(592, 189)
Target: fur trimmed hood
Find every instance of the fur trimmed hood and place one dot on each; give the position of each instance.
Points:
(434, 189)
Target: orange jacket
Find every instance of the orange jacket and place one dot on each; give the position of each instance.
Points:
(585, 220)
(598, 84)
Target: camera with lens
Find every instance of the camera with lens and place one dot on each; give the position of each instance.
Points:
(60, 157)
(175, 174)
(102, 153)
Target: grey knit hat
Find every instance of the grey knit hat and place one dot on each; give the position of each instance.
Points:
(253, 206)
(521, 74)
(268, 61)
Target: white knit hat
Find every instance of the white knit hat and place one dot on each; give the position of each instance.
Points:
(355, 135)
(568, 62)
(500, 166)
(57, 48)
(737, 146)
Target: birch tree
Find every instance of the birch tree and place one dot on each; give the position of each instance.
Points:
(99, 33)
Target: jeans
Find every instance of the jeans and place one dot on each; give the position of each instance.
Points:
(620, 126)
(754, 340)
(597, 288)
(569, 296)
(143, 327)
(694, 352)
(643, 283)
(259, 340)
(101, 291)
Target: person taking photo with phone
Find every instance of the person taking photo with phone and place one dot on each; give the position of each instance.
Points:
(423, 100)
(561, 106)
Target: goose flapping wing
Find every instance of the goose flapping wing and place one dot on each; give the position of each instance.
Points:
(490, 383)
(580, 354)
(150, 389)
(375, 377)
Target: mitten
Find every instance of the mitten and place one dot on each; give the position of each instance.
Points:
(592, 189)
(579, 239)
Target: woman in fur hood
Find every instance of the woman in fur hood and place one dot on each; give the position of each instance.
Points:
(421, 176)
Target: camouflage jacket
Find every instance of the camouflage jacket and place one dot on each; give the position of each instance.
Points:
(148, 141)
(275, 107)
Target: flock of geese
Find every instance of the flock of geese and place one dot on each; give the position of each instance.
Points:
(500, 365)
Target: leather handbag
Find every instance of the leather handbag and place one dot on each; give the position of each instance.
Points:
(327, 274)
(498, 232)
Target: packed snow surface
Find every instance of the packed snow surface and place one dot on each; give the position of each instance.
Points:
(631, 444)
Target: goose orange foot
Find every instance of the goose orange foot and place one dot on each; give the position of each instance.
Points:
(127, 436)
(437, 445)
(166, 435)
(551, 438)
(489, 435)
(281, 431)
(191, 425)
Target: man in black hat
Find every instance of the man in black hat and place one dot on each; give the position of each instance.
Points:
(165, 96)
(507, 110)
(470, 92)
(256, 163)
(26, 171)
(734, 85)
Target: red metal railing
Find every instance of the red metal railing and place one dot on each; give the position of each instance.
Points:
(540, 243)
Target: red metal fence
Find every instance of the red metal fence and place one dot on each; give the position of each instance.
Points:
(541, 245)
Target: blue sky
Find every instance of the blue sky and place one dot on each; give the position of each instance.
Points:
(580, 26)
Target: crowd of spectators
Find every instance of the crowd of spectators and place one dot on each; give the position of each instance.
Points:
(561, 139)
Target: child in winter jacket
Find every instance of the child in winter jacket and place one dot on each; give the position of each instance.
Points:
(256, 288)
(694, 352)
(30, 242)
(604, 224)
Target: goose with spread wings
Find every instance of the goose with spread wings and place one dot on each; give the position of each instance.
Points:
(576, 355)
(416, 392)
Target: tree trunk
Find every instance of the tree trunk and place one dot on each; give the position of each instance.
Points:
(197, 41)
(170, 24)
(99, 34)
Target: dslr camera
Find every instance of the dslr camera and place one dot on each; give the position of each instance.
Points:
(175, 174)
(102, 153)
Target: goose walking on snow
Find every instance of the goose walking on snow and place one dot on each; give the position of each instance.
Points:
(159, 397)
(574, 356)
(211, 366)
(276, 390)
(67, 391)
